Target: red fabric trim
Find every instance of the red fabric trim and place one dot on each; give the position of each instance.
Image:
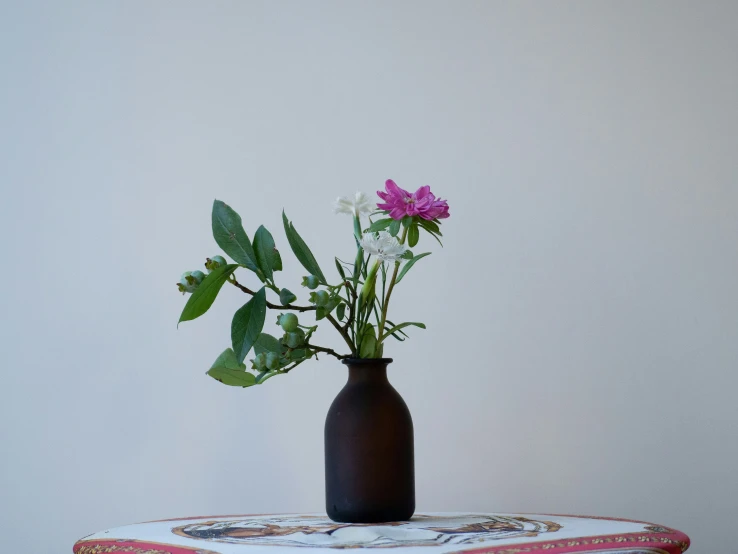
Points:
(674, 542)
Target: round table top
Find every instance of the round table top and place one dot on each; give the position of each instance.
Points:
(427, 533)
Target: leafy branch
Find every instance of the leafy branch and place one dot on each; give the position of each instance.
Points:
(329, 351)
(355, 307)
(270, 305)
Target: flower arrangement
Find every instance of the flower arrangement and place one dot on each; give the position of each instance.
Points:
(356, 306)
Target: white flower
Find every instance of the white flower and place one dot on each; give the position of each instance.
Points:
(360, 204)
(383, 245)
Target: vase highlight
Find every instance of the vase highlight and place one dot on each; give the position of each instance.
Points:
(369, 456)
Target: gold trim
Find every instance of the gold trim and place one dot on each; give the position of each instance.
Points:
(103, 546)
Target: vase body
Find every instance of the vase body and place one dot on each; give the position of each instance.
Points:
(369, 457)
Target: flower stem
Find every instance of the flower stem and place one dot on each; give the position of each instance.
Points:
(380, 331)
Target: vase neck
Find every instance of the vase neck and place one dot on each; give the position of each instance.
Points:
(367, 371)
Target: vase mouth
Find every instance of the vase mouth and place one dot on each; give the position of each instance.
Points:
(366, 361)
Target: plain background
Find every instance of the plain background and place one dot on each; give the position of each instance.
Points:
(582, 337)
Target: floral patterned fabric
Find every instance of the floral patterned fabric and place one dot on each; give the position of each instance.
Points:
(438, 533)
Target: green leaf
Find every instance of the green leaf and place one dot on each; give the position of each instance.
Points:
(408, 255)
(430, 226)
(232, 377)
(298, 354)
(393, 324)
(286, 297)
(266, 253)
(268, 343)
(397, 334)
(394, 227)
(406, 221)
(323, 311)
(379, 225)
(401, 326)
(410, 264)
(230, 236)
(228, 360)
(301, 250)
(340, 269)
(413, 235)
(368, 342)
(277, 265)
(205, 294)
(341, 311)
(247, 324)
(229, 371)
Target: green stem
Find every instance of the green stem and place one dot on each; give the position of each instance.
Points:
(327, 351)
(343, 333)
(358, 262)
(380, 331)
(286, 369)
(367, 299)
(271, 306)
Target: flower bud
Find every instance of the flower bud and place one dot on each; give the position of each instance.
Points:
(272, 360)
(319, 298)
(214, 263)
(288, 322)
(311, 282)
(367, 291)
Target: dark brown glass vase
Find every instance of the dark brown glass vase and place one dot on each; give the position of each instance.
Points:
(369, 465)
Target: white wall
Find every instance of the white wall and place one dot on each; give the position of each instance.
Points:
(582, 319)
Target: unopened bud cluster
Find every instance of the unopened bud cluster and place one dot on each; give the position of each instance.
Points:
(190, 280)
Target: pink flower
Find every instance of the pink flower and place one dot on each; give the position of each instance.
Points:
(399, 202)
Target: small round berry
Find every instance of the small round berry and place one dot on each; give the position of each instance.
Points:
(320, 298)
(272, 360)
(293, 340)
(214, 263)
(260, 361)
(187, 283)
(288, 322)
(198, 276)
(311, 282)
